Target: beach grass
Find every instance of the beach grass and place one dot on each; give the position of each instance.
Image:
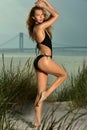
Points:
(75, 90)
(17, 87)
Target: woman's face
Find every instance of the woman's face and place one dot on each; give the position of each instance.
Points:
(39, 16)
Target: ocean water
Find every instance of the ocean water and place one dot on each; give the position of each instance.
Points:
(70, 58)
(70, 51)
(64, 51)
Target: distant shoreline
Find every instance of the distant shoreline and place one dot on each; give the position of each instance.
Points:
(63, 51)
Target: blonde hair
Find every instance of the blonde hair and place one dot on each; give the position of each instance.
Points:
(31, 22)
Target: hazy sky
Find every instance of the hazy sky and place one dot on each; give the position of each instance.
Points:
(69, 30)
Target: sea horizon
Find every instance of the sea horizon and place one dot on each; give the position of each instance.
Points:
(70, 58)
(62, 51)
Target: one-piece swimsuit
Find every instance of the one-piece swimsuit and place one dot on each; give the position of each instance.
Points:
(46, 42)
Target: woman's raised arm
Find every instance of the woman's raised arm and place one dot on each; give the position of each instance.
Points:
(48, 7)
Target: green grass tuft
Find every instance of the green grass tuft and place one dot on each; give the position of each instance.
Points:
(17, 87)
(75, 89)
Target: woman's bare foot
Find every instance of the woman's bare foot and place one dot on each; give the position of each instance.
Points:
(36, 124)
(31, 125)
(41, 98)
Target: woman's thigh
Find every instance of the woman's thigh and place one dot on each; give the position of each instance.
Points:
(49, 66)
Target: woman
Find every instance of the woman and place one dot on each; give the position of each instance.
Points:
(39, 23)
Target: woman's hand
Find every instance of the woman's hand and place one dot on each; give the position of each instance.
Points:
(40, 3)
(42, 0)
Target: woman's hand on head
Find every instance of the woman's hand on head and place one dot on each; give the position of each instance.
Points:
(40, 3)
(42, 0)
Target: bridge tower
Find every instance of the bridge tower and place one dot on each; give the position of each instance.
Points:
(21, 41)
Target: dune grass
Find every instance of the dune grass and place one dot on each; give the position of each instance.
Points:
(17, 87)
(75, 90)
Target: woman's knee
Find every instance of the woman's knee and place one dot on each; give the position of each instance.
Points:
(64, 75)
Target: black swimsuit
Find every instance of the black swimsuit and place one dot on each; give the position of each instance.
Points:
(46, 42)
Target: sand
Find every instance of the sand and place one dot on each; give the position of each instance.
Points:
(27, 115)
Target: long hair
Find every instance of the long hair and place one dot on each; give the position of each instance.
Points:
(31, 22)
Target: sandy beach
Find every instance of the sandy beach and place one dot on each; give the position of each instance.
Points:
(60, 109)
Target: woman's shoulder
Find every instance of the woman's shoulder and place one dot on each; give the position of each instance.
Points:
(37, 29)
(38, 34)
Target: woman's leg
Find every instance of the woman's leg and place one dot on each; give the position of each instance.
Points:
(42, 83)
(47, 65)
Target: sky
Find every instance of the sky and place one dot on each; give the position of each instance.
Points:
(69, 30)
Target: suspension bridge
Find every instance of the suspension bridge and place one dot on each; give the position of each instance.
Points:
(18, 43)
